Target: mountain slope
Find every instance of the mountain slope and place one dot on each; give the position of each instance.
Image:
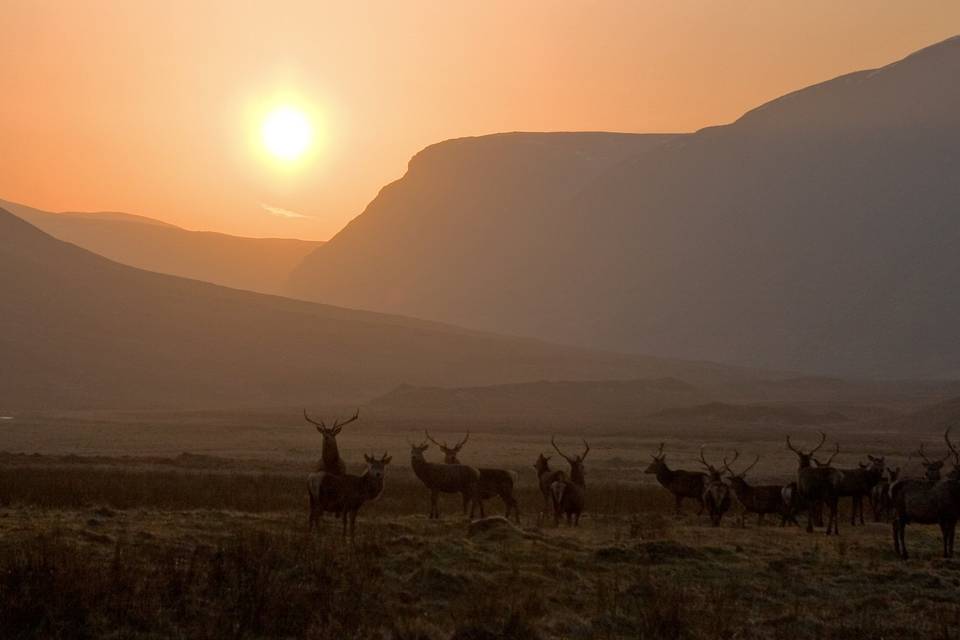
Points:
(817, 233)
(78, 330)
(255, 264)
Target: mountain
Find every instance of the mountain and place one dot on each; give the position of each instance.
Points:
(255, 264)
(817, 233)
(80, 331)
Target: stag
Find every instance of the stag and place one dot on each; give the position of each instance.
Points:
(682, 484)
(446, 478)
(344, 494)
(880, 495)
(759, 499)
(818, 485)
(330, 460)
(927, 502)
(569, 496)
(716, 494)
(546, 478)
(493, 482)
(858, 484)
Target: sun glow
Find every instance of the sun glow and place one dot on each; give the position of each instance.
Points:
(286, 133)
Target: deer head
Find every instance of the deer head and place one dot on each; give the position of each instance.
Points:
(894, 474)
(932, 467)
(805, 458)
(659, 461)
(542, 465)
(739, 479)
(377, 466)
(449, 453)
(577, 471)
(715, 473)
(416, 451)
(330, 433)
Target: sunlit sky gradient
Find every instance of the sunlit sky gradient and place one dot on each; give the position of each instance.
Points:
(153, 107)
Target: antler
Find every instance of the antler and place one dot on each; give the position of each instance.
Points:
(823, 438)
(430, 438)
(726, 465)
(926, 459)
(586, 450)
(703, 460)
(791, 447)
(562, 454)
(460, 444)
(339, 425)
(834, 455)
(744, 472)
(953, 450)
(659, 452)
(321, 427)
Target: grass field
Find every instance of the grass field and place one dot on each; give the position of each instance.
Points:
(211, 547)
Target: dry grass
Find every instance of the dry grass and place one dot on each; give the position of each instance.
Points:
(121, 550)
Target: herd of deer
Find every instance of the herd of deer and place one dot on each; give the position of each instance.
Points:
(931, 499)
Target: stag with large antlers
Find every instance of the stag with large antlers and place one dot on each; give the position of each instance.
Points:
(569, 496)
(682, 484)
(760, 499)
(493, 482)
(446, 478)
(927, 502)
(330, 460)
(546, 478)
(716, 494)
(344, 494)
(818, 485)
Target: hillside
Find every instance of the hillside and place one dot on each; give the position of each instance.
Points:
(817, 234)
(254, 264)
(78, 330)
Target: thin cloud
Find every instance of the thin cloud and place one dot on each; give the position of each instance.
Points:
(283, 213)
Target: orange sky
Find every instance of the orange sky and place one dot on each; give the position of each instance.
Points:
(149, 107)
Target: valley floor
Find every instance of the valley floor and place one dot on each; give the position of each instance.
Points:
(124, 549)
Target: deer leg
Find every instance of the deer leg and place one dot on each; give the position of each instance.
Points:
(700, 511)
(679, 500)
(434, 509)
(353, 524)
(343, 518)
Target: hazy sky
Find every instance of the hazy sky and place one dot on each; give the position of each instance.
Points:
(154, 107)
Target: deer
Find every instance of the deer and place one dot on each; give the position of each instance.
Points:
(880, 495)
(344, 494)
(446, 478)
(330, 460)
(760, 499)
(493, 482)
(716, 493)
(682, 484)
(546, 478)
(859, 483)
(569, 496)
(818, 485)
(927, 502)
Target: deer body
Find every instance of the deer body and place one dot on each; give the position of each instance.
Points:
(817, 486)
(569, 496)
(682, 484)
(344, 494)
(446, 478)
(493, 482)
(761, 499)
(547, 477)
(859, 483)
(880, 495)
(928, 501)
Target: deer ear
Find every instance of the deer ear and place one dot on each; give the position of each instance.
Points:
(367, 458)
(387, 459)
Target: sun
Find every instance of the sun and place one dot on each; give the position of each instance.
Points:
(286, 133)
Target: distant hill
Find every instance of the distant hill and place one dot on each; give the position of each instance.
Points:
(734, 414)
(818, 233)
(255, 264)
(79, 331)
(565, 401)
